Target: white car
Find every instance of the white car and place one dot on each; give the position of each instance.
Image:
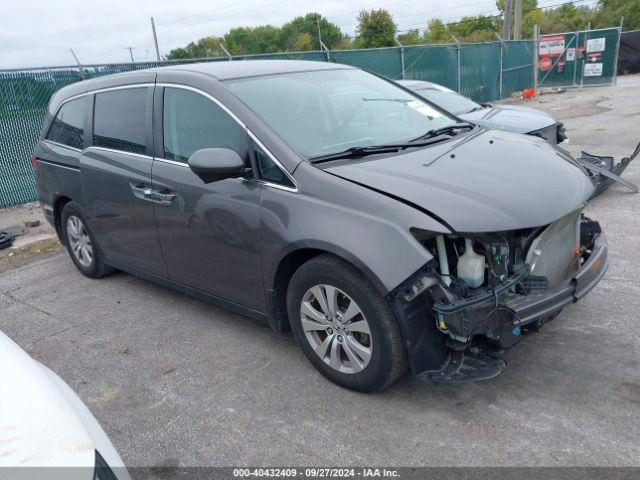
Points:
(43, 423)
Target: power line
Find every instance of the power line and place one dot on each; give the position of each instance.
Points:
(218, 17)
(473, 18)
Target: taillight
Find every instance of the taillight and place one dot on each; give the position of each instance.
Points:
(34, 160)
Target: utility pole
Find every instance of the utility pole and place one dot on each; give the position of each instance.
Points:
(130, 52)
(319, 33)
(506, 26)
(155, 38)
(517, 22)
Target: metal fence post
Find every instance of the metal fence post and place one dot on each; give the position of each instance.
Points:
(615, 61)
(536, 47)
(501, 65)
(324, 47)
(226, 52)
(401, 57)
(79, 64)
(458, 60)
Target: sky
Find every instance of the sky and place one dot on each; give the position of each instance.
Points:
(40, 33)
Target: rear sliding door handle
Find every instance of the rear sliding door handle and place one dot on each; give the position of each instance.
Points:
(141, 191)
(162, 198)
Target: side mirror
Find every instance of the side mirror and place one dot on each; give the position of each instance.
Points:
(214, 164)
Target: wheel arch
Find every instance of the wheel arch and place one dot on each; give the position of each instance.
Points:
(58, 205)
(280, 271)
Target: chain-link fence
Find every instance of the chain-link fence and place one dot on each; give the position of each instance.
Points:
(484, 72)
(576, 59)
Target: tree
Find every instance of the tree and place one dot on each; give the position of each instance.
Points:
(376, 28)
(474, 29)
(609, 13)
(412, 37)
(303, 42)
(437, 32)
(291, 31)
(250, 40)
(203, 48)
(565, 18)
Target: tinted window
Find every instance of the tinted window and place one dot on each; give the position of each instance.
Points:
(68, 126)
(192, 122)
(119, 120)
(269, 171)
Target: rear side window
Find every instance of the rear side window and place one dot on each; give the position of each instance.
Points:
(67, 127)
(119, 120)
(192, 122)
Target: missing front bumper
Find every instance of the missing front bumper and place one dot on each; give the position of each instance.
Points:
(500, 313)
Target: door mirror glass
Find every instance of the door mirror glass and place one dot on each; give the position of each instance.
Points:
(214, 164)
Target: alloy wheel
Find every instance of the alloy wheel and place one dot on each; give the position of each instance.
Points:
(336, 328)
(79, 241)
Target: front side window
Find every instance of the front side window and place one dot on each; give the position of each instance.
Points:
(192, 122)
(448, 99)
(67, 127)
(269, 171)
(323, 112)
(119, 120)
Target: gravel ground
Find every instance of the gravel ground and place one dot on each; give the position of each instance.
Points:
(175, 381)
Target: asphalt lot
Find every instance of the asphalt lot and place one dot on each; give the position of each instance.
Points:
(175, 381)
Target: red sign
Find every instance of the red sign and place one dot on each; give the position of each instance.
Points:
(551, 45)
(545, 64)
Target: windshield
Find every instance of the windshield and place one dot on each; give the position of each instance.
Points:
(447, 99)
(323, 112)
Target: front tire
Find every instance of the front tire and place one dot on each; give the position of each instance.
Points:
(344, 326)
(81, 243)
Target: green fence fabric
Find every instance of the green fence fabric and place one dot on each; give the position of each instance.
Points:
(24, 94)
(574, 59)
(517, 66)
(383, 61)
(479, 77)
(432, 63)
(24, 97)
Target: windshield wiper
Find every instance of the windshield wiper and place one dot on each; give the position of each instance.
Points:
(382, 99)
(444, 130)
(355, 152)
(479, 107)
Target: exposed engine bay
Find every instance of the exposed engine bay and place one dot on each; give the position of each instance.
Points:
(486, 291)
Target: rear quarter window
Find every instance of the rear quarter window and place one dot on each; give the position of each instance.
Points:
(67, 128)
(119, 120)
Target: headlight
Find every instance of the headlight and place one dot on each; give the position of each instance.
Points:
(550, 133)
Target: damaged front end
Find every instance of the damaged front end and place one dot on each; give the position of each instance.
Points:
(486, 291)
(605, 171)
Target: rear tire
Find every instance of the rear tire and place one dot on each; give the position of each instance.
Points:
(344, 325)
(81, 243)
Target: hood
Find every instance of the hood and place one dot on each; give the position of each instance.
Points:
(511, 118)
(38, 426)
(486, 181)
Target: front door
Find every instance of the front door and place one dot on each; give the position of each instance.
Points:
(116, 177)
(209, 233)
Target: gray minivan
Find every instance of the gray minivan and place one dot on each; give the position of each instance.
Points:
(384, 231)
